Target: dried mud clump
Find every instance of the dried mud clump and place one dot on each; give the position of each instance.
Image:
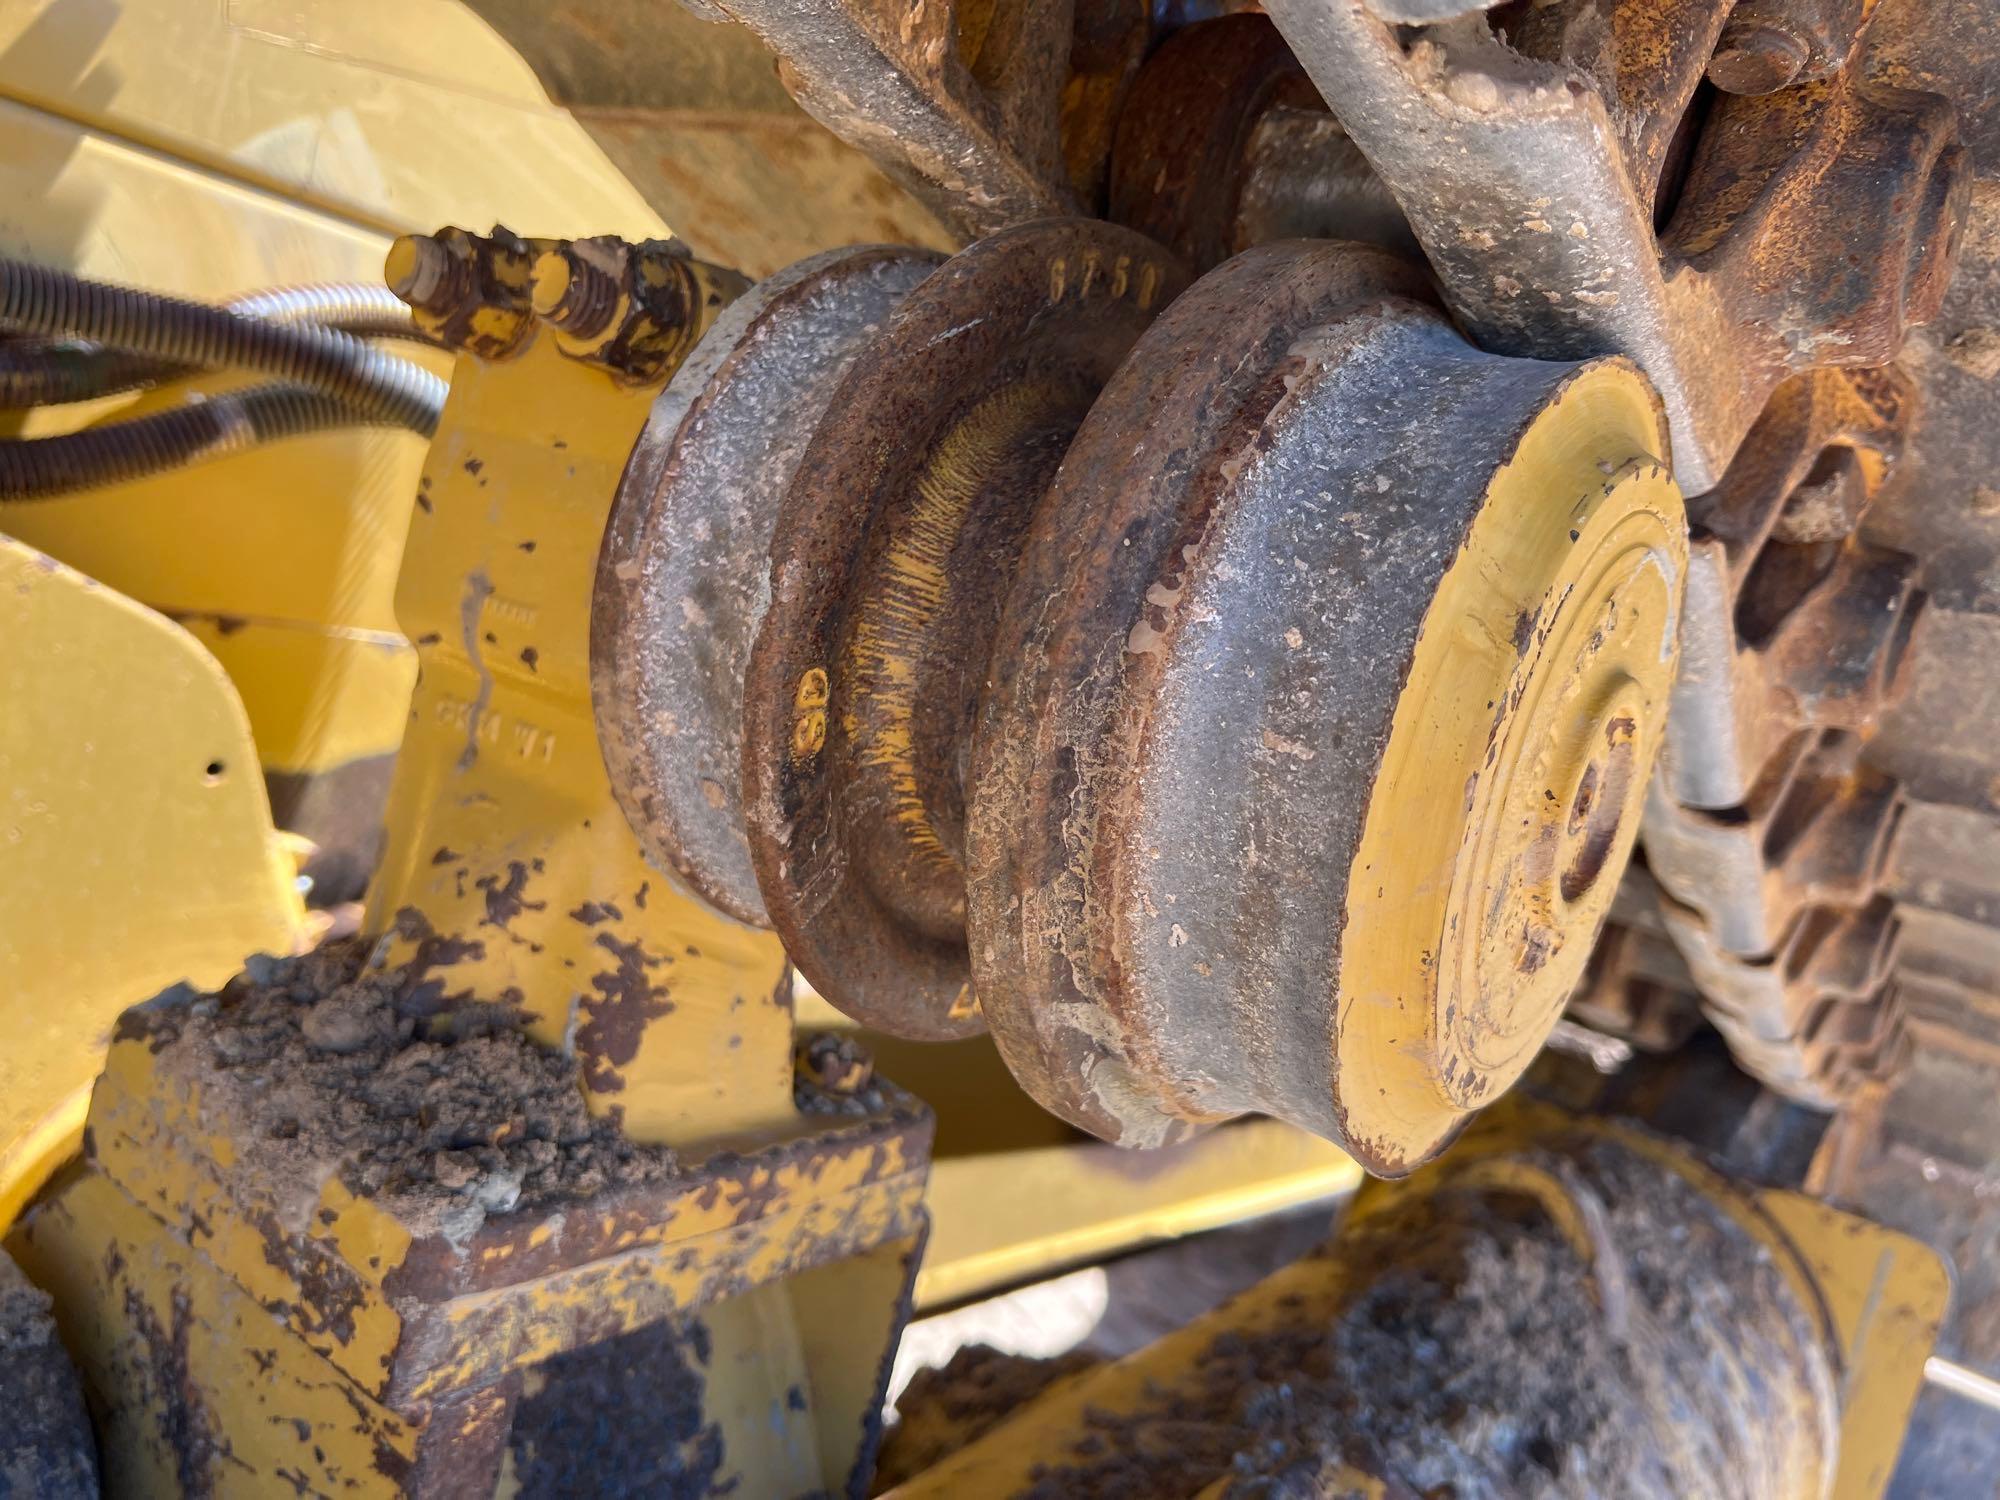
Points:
(334, 1062)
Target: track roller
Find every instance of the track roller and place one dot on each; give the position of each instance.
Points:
(1243, 704)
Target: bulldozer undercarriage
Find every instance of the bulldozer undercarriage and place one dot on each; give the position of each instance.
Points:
(1353, 551)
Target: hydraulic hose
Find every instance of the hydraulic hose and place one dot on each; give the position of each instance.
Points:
(39, 468)
(43, 300)
(34, 372)
(41, 372)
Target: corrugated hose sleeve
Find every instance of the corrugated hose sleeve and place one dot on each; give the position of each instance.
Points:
(41, 468)
(43, 300)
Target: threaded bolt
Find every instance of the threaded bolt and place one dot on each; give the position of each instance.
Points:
(421, 271)
(570, 292)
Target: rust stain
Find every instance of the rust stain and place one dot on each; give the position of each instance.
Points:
(423, 994)
(184, 1424)
(506, 901)
(616, 1016)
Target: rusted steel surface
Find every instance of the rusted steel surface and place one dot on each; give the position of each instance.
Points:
(990, 114)
(1224, 143)
(1943, 740)
(1776, 180)
(1802, 624)
(894, 548)
(1771, 43)
(1188, 729)
(971, 126)
(1534, 164)
(1177, 167)
(684, 572)
(1304, 179)
(1769, 836)
(1109, 40)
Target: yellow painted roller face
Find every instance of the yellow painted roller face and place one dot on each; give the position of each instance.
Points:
(1509, 797)
(1321, 719)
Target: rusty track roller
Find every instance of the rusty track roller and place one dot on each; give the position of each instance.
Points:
(893, 552)
(1252, 711)
(1321, 716)
(683, 576)
(772, 439)
(1224, 143)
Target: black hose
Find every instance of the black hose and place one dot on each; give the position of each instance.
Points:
(42, 372)
(43, 300)
(40, 468)
(35, 372)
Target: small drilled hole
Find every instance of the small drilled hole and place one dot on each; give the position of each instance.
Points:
(213, 771)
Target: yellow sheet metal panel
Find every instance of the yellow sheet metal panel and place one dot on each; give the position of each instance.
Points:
(308, 530)
(201, 1389)
(389, 114)
(317, 697)
(136, 846)
(1886, 1294)
(303, 535)
(102, 206)
(1009, 1216)
(282, 560)
(216, 149)
(1016, 1194)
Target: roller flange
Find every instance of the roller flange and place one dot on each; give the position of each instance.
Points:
(893, 553)
(1320, 716)
(683, 575)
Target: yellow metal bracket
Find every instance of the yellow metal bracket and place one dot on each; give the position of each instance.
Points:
(136, 846)
(345, 1338)
(510, 870)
